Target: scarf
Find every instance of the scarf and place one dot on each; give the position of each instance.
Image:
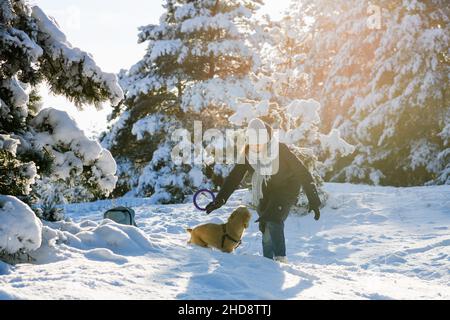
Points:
(263, 170)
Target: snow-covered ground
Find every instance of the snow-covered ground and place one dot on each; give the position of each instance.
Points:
(371, 243)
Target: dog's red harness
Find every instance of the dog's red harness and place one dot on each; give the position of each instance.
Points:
(227, 236)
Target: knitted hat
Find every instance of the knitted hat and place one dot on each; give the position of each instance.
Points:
(258, 130)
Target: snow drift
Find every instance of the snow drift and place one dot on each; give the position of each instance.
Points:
(370, 243)
(20, 229)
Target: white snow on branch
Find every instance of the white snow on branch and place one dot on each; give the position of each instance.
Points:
(164, 47)
(335, 144)
(19, 39)
(308, 110)
(151, 124)
(19, 97)
(56, 131)
(109, 139)
(58, 47)
(249, 110)
(219, 21)
(217, 92)
(9, 144)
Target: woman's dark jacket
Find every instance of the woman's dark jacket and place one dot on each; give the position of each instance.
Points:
(282, 189)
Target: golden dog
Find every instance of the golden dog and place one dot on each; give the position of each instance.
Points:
(225, 237)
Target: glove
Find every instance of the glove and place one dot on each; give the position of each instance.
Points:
(316, 212)
(213, 205)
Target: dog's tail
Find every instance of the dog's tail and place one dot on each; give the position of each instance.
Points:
(190, 232)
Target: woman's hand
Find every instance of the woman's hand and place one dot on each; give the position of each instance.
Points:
(213, 205)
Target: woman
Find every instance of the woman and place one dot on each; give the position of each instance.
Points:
(273, 194)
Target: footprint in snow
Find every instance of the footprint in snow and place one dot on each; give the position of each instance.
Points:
(293, 269)
(162, 210)
(105, 255)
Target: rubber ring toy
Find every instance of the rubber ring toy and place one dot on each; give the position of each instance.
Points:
(200, 192)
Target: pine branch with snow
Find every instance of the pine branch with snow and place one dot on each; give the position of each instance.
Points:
(383, 85)
(43, 148)
(197, 64)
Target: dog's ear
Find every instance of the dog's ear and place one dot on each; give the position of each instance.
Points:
(247, 218)
(232, 216)
(242, 209)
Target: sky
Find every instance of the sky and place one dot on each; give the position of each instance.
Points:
(107, 29)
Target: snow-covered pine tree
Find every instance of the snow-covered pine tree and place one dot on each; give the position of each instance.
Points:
(196, 65)
(281, 72)
(326, 30)
(402, 119)
(381, 71)
(42, 151)
(282, 82)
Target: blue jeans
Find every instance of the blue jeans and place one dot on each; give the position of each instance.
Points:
(273, 242)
